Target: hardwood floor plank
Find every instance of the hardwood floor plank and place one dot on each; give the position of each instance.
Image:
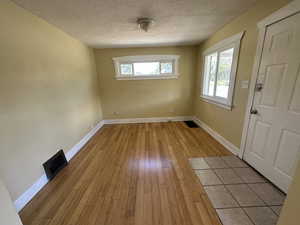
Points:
(130, 174)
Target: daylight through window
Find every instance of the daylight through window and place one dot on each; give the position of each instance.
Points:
(146, 67)
(219, 71)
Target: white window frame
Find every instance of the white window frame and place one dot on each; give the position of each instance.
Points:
(231, 42)
(146, 58)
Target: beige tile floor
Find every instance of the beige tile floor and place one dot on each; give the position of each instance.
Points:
(240, 195)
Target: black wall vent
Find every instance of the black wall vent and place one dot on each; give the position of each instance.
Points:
(55, 164)
(191, 124)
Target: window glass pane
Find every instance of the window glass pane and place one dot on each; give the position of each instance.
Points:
(146, 68)
(224, 70)
(126, 69)
(210, 74)
(166, 67)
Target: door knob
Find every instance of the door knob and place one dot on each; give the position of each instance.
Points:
(253, 111)
(259, 87)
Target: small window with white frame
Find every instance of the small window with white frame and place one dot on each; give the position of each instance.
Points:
(219, 71)
(146, 67)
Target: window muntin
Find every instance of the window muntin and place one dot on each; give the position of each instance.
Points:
(224, 70)
(166, 67)
(126, 68)
(220, 64)
(146, 67)
(210, 74)
(217, 74)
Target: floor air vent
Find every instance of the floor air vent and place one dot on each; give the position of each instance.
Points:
(55, 164)
(191, 124)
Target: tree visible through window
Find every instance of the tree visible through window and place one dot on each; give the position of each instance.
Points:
(126, 68)
(223, 76)
(166, 67)
(147, 66)
(219, 71)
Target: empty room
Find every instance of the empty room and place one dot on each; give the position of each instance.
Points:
(170, 112)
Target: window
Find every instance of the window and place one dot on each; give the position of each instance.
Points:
(220, 63)
(146, 67)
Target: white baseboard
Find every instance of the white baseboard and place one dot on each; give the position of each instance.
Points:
(227, 144)
(22, 200)
(43, 180)
(148, 120)
(76, 148)
(30, 193)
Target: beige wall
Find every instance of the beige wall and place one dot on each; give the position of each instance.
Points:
(290, 211)
(146, 98)
(8, 214)
(49, 96)
(227, 123)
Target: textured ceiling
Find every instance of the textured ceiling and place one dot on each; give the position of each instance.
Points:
(111, 23)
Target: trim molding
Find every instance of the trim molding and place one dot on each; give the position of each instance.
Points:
(146, 58)
(286, 11)
(30, 193)
(76, 148)
(148, 120)
(212, 101)
(22, 200)
(231, 42)
(43, 180)
(150, 77)
(227, 144)
(225, 42)
(143, 58)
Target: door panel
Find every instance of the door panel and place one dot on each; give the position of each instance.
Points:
(261, 133)
(295, 103)
(289, 146)
(273, 139)
(273, 81)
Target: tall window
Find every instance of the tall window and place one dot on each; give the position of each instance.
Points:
(146, 67)
(220, 62)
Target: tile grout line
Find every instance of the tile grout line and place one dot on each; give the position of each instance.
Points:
(248, 216)
(266, 205)
(275, 211)
(227, 191)
(240, 207)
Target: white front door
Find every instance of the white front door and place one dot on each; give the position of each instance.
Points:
(273, 140)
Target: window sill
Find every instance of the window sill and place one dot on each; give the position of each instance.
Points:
(147, 77)
(208, 100)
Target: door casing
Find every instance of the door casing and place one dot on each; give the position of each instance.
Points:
(289, 10)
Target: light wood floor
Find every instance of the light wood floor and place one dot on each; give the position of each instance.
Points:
(130, 174)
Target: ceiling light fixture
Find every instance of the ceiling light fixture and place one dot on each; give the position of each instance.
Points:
(144, 23)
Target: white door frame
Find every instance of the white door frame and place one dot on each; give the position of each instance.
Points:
(288, 10)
